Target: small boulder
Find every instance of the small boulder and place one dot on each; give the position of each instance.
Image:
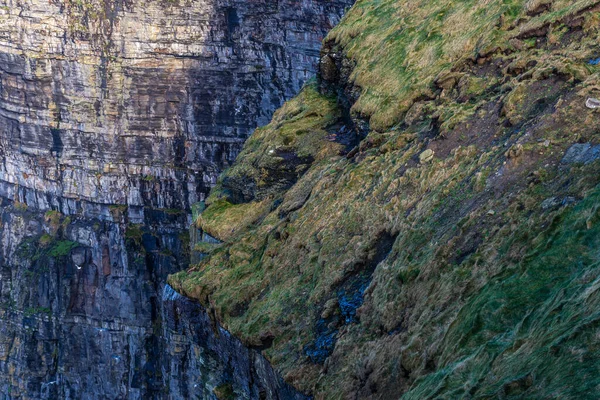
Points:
(581, 153)
(592, 103)
(554, 202)
(415, 114)
(426, 156)
(331, 308)
(550, 203)
(328, 69)
(537, 7)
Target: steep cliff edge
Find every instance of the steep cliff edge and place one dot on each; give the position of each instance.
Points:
(115, 117)
(85, 314)
(423, 221)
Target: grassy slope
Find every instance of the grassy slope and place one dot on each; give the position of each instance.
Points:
(490, 287)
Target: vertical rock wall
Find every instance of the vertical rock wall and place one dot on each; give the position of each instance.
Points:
(203, 359)
(122, 101)
(80, 303)
(115, 117)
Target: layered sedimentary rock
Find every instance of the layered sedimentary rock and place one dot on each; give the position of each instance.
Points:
(85, 315)
(80, 304)
(118, 101)
(203, 359)
(115, 117)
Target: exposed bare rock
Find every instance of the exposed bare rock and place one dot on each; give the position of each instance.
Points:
(117, 101)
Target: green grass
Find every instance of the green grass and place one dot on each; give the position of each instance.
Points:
(37, 310)
(484, 293)
(537, 321)
(134, 233)
(299, 128)
(401, 48)
(62, 248)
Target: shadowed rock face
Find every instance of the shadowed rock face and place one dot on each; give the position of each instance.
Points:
(85, 314)
(120, 102)
(115, 117)
(80, 309)
(191, 341)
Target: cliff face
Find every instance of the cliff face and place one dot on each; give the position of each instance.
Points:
(205, 360)
(81, 304)
(85, 314)
(115, 117)
(423, 223)
(142, 103)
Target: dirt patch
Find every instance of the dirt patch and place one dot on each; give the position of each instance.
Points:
(481, 130)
